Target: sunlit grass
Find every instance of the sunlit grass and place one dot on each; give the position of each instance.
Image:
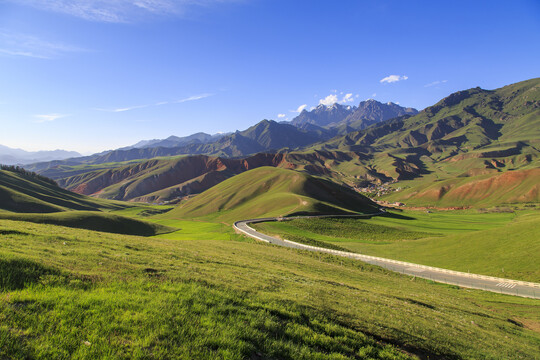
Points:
(98, 295)
(497, 244)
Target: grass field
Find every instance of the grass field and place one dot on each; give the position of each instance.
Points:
(67, 293)
(186, 229)
(504, 244)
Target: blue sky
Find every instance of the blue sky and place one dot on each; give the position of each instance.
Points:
(90, 75)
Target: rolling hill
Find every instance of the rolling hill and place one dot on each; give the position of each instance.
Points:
(32, 198)
(269, 191)
(24, 193)
(164, 179)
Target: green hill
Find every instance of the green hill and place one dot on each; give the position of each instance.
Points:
(268, 191)
(23, 193)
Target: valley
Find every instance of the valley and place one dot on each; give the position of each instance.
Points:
(132, 253)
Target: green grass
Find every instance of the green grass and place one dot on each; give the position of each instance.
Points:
(92, 220)
(196, 230)
(79, 294)
(505, 244)
(185, 229)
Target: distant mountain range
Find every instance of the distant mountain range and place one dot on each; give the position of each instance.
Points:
(468, 142)
(9, 156)
(310, 127)
(175, 141)
(265, 136)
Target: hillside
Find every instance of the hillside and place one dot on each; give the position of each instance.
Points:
(470, 133)
(462, 122)
(26, 194)
(164, 179)
(268, 191)
(517, 186)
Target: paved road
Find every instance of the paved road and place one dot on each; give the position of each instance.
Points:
(474, 281)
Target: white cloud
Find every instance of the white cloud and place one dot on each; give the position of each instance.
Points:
(300, 108)
(438, 82)
(116, 110)
(128, 108)
(280, 116)
(329, 100)
(192, 98)
(48, 117)
(373, 95)
(16, 44)
(348, 98)
(333, 98)
(393, 78)
(117, 11)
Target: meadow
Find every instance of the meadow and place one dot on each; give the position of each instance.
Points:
(77, 293)
(504, 244)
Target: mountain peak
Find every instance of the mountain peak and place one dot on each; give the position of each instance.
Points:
(347, 117)
(323, 115)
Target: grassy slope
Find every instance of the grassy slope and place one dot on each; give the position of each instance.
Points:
(185, 229)
(268, 191)
(78, 294)
(19, 193)
(93, 221)
(465, 241)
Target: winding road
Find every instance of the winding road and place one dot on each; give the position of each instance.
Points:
(473, 281)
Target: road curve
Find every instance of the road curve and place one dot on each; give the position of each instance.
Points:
(473, 281)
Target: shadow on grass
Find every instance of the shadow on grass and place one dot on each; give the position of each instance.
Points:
(15, 274)
(393, 215)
